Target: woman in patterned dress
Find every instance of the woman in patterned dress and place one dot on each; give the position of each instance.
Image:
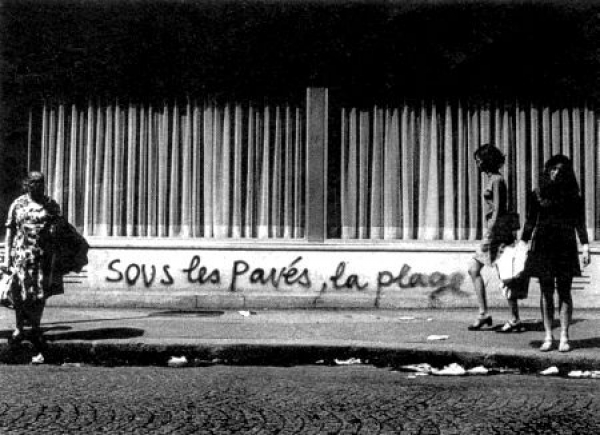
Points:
(29, 248)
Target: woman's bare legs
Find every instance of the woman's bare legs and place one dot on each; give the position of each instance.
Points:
(475, 273)
(513, 304)
(547, 305)
(484, 318)
(563, 287)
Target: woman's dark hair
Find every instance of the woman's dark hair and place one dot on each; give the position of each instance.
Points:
(33, 176)
(491, 158)
(566, 186)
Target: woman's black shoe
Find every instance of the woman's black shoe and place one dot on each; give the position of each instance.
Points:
(480, 323)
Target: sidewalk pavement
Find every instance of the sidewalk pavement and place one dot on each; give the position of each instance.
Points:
(387, 338)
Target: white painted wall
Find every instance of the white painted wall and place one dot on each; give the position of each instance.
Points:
(229, 275)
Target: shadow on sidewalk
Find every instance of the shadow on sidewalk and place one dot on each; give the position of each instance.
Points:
(586, 343)
(95, 334)
(91, 335)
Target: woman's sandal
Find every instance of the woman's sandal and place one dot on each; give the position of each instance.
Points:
(511, 326)
(564, 346)
(480, 323)
(547, 345)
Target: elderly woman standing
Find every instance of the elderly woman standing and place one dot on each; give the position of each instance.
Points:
(29, 255)
(555, 218)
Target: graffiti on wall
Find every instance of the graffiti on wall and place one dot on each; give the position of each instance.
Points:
(242, 274)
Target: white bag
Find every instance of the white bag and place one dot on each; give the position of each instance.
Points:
(6, 290)
(511, 262)
(511, 265)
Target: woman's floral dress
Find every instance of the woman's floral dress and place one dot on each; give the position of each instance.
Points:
(32, 247)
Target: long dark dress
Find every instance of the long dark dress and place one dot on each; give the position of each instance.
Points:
(554, 226)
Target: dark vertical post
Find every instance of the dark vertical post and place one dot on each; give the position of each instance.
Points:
(316, 152)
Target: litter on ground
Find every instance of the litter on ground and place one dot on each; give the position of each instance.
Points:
(479, 370)
(550, 371)
(438, 337)
(420, 368)
(451, 370)
(579, 374)
(347, 362)
(177, 361)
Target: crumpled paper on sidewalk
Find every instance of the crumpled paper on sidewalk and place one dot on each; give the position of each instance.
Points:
(451, 370)
(177, 361)
(550, 371)
(419, 368)
(438, 337)
(348, 362)
(479, 370)
(580, 374)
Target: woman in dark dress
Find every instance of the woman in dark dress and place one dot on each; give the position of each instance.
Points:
(555, 217)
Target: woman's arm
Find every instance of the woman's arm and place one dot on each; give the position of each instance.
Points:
(499, 200)
(10, 234)
(582, 231)
(531, 217)
(8, 249)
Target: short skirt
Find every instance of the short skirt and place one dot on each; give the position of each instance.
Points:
(489, 248)
(487, 251)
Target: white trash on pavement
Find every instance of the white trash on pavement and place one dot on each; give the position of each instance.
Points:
(419, 368)
(177, 361)
(479, 370)
(580, 374)
(451, 370)
(347, 362)
(550, 371)
(438, 337)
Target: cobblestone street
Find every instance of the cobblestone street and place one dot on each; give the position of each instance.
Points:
(306, 400)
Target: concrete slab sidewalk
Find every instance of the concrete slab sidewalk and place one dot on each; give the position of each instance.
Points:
(380, 337)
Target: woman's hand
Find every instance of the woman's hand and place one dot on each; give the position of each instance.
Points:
(5, 266)
(585, 259)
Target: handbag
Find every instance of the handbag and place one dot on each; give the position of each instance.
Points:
(6, 290)
(71, 248)
(511, 265)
